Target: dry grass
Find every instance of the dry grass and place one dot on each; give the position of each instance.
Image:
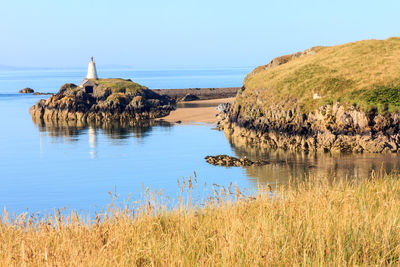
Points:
(313, 223)
(345, 73)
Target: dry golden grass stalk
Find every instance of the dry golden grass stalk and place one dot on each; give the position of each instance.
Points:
(317, 222)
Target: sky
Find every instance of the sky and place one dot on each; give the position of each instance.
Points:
(168, 34)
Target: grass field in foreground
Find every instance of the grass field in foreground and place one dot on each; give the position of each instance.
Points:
(318, 222)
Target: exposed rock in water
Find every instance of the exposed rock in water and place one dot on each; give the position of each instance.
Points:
(27, 90)
(108, 100)
(228, 161)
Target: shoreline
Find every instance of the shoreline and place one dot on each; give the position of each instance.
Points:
(199, 111)
(132, 102)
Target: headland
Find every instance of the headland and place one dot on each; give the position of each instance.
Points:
(344, 98)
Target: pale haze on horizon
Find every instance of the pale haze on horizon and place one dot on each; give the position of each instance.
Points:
(182, 34)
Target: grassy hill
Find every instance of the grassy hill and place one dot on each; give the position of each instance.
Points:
(364, 73)
(118, 85)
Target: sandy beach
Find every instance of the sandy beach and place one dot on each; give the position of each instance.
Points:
(200, 111)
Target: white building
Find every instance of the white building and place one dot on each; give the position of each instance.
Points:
(92, 72)
(87, 85)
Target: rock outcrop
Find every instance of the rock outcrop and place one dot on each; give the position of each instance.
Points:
(111, 99)
(331, 128)
(228, 161)
(26, 91)
(189, 97)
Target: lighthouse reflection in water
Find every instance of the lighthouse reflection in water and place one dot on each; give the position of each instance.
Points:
(92, 142)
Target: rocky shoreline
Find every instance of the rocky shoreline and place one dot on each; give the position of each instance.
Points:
(331, 99)
(112, 99)
(331, 128)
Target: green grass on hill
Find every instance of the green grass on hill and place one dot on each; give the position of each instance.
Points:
(364, 73)
(120, 85)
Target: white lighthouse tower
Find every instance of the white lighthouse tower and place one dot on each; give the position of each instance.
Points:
(92, 72)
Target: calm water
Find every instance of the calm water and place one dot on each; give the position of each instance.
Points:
(51, 80)
(43, 166)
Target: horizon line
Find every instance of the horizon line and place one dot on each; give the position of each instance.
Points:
(116, 66)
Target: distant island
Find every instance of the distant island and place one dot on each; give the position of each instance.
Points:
(344, 98)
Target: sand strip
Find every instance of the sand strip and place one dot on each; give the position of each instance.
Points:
(197, 113)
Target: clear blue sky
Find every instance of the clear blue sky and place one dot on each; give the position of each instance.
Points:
(162, 34)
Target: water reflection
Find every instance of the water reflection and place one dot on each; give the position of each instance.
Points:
(297, 164)
(92, 141)
(67, 131)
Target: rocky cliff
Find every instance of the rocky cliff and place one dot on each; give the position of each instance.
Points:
(111, 99)
(343, 98)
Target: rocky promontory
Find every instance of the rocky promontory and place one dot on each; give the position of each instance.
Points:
(342, 98)
(103, 100)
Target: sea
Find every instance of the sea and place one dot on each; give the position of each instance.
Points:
(75, 167)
